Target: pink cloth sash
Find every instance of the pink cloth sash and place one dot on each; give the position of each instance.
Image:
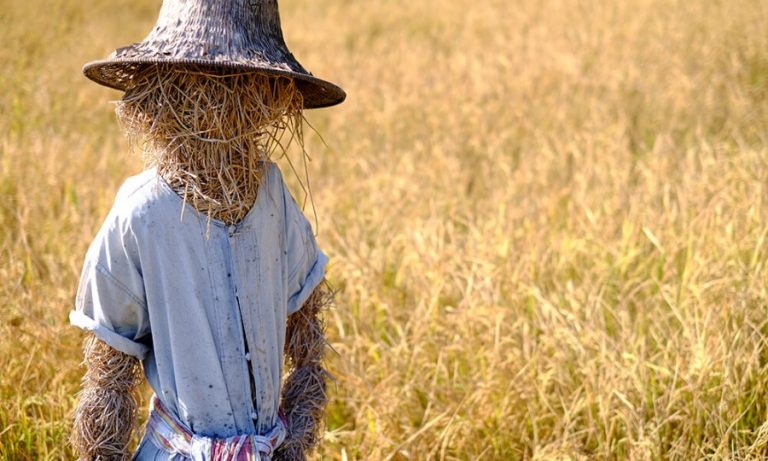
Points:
(169, 434)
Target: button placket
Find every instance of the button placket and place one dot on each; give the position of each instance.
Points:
(231, 241)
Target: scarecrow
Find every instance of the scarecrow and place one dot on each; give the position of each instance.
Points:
(206, 270)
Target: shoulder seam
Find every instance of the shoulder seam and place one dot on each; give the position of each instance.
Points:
(141, 185)
(104, 271)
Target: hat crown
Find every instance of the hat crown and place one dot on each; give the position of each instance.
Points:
(224, 30)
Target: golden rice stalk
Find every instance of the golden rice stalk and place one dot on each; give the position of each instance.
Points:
(209, 132)
(106, 414)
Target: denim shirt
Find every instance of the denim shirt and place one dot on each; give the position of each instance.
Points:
(203, 305)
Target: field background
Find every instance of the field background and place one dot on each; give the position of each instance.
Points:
(546, 219)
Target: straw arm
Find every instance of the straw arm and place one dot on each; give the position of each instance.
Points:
(106, 413)
(304, 397)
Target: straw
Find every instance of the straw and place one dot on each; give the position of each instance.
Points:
(106, 414)
(209, 133)
(304, 396)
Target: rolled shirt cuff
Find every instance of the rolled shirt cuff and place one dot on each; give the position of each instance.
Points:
(313, 279)
(121, 343)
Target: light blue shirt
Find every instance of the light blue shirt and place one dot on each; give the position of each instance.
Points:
(162, 285)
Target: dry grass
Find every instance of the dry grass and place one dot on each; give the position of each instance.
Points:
(547, 222)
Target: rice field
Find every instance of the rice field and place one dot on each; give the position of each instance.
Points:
(547, 222)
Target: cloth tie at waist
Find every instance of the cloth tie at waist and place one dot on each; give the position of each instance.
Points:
(169, 434)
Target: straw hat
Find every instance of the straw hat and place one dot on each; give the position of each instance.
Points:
(216, 34)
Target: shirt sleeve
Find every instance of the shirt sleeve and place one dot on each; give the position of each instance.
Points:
(110, 298)
(306, 262)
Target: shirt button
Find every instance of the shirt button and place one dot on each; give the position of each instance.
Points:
(248, 356)
(232, 229)
(254, 415)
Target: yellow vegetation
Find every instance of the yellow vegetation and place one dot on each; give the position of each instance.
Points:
(547, 220)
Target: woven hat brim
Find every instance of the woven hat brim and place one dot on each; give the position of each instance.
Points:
(119, 74)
